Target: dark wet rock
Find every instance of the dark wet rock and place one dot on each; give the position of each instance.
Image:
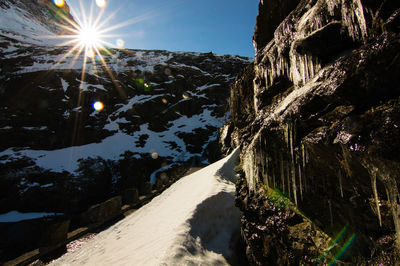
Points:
(322, 110)
(275, 233)
(270, 15)
(102, 212)
(130, 196)
(23, 236)
(145, 188)
(54, 234)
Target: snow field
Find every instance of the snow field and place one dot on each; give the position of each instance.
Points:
(192, 222)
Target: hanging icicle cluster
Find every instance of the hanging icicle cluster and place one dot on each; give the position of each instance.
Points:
(280, 60)
(352, 13)
(282, 167)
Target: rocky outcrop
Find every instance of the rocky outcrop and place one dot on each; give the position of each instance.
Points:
(322, 101)
(102, 212)
(130, 196)
(23, 236)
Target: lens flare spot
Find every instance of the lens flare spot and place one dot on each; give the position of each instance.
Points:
(59, 3)
(101, 3)
(146, 87)
(139, 82)
(154, 155)
(167, 71)
(120, 43)
(90, 53)
(98, 106)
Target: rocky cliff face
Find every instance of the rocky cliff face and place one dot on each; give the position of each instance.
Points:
(317, 117)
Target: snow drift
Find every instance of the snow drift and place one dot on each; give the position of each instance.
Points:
(193, 222)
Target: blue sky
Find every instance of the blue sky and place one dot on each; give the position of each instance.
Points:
(220, 26)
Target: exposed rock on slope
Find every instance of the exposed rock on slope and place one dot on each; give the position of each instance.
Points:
(161, 110)
(34, 21)
(321, 105)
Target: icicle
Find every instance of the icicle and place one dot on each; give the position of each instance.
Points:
(265, 172)
(273, 177)
(290, 134)
(311, 67)
(306, 75)
(288, 177)
(332, 4)
(282, 172)
(248, 168)
(294, 183)
(286, 134)
(302, 70)
(354, 20)
(340, 183)
(330, 212)
(300, 181)
(373, 181)
(303, 157)
(391, 188)
(387, 195)
(292, 168)
(274, 168)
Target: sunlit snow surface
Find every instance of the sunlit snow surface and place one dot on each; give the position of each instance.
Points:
(17, 24)
(112, 147)
(190, 223)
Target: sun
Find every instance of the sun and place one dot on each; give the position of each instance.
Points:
(90, 40)
(89, 37)
(86, 38)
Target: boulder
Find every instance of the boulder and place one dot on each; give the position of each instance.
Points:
(102, 212)
(145, 188)
(54, 234)
(130, 196)
(20, 237)
(158, 184)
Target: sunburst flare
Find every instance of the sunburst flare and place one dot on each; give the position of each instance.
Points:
(87, 38)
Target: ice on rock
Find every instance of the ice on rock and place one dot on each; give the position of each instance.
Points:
(340, 182)
(281, 172)
(393, 196)
(352, 13)
(304, 68)
(376, 197)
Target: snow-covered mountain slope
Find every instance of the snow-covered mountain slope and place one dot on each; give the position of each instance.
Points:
(161, 111)
(191, 223)
(32, 21)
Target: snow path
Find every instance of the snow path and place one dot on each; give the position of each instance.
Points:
(190, 223)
